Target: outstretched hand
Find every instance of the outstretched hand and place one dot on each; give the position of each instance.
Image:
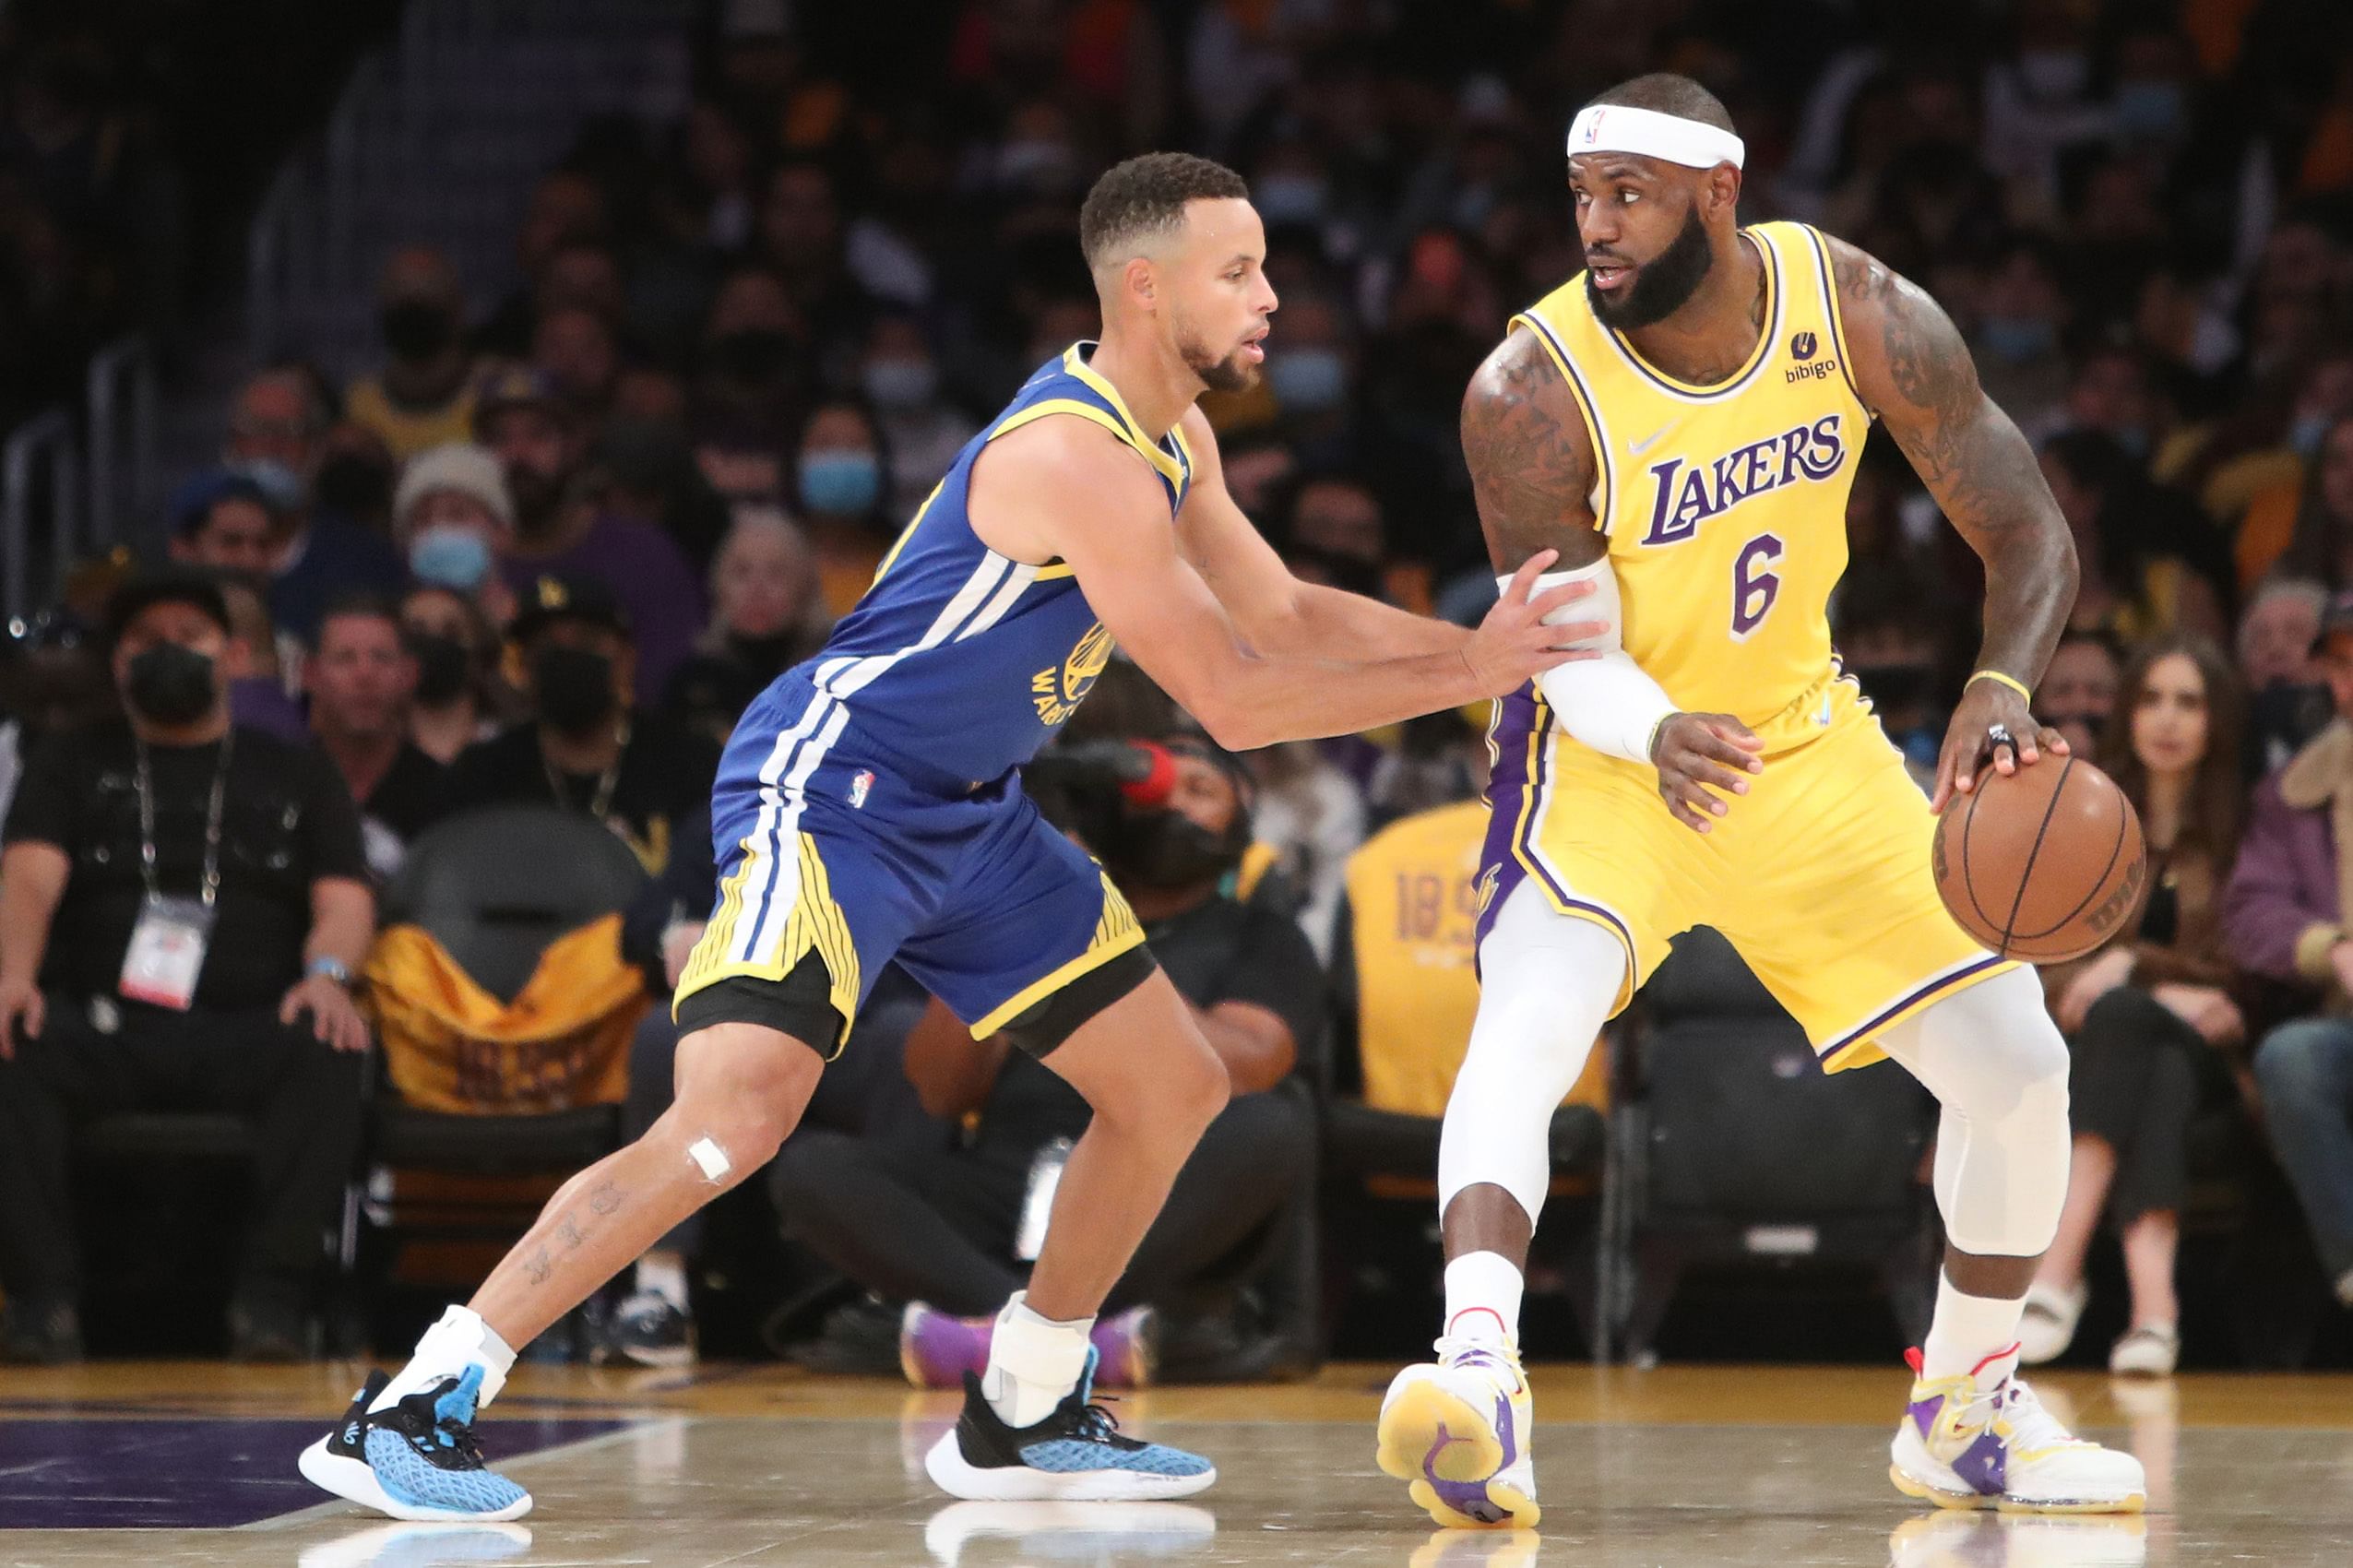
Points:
(1513, 645)
(1969, 740)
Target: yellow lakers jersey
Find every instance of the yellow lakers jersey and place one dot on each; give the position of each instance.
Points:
(1413, 906)
(1725, 506)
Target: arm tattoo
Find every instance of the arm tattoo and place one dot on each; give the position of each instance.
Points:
(570, 1234)
(540, 1266)
(1529, 469)
(1915, 371)
(605, 1198)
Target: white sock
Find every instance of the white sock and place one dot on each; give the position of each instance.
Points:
(663, 1275)
(1966, 1330)
(459, 1340)
(1484, 1297)
(1034, 1362)
(2345, 1287)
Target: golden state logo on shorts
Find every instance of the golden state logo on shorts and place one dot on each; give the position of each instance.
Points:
(1058, 693)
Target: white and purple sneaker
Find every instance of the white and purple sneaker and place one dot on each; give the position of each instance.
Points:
(1458, 1432)
(1982, 1440)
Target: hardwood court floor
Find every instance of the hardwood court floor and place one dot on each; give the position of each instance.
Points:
(1677, 1468)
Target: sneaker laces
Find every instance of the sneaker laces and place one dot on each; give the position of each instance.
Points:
(1463, 1350)
(1094, 1422)
(2032, 1427)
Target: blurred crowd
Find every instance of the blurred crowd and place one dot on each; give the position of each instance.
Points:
(546, 548)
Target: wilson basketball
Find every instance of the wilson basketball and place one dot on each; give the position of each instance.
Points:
(2043, 865)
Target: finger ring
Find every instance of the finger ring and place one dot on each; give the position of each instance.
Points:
(1999, 735)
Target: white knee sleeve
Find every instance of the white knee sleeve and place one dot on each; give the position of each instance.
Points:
(1546, 983)
(1993, 1058)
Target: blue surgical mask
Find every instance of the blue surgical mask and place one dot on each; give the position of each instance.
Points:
(450, 556)
(2017, 338)
(1289, 198)
(901, 383)
(2307, 434)
(2150, 111)
(840, 482)
(1307, 381)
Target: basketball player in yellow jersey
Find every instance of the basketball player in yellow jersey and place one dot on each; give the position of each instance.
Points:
(1681, 425)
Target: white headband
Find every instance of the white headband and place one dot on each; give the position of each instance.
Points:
(1618, 127)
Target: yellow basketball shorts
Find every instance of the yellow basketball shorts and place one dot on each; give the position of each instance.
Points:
(1819, 876)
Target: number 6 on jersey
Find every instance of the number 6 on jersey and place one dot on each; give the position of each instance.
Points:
(1754, 584)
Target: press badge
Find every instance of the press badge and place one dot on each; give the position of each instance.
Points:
(1038, 1206)
(167, 952)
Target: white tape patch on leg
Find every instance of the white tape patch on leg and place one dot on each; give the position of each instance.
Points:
(711, 1159)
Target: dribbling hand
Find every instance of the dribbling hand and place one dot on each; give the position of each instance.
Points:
(1968, 740)
(1698, 755)
(1513, 645)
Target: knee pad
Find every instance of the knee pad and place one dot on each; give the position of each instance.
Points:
(1546, 983)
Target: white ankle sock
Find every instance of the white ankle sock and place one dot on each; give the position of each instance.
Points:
(1484, 1297)
(459, 1340)
(1034, 1362)
(1966, 1330)
(663, 1275)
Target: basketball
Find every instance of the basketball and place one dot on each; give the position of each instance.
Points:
(2043, 865)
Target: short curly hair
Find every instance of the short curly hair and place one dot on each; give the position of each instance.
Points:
(1146, 197)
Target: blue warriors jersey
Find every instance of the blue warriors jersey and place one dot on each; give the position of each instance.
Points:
(957, 659)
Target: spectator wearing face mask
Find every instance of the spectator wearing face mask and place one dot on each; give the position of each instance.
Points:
(423, 397)
(454, 519)
(563, 528)
(574, 348)
(452, 642)
(2078, 691)
(1311, 377)
(2288, 700)
(361, 678)
(588, 748)
(750, 381)
(766, 618)
(182, 906)
(277, 438)
(838, 474)
(944, 1230)
(924, 430)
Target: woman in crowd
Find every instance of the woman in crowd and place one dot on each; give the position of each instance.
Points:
(456, 701)
(765, 619)
(840, 472)
(2150, 1015)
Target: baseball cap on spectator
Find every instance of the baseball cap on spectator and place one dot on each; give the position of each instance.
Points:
(566, 596)
(167, 585)
(194, 501)
(504, 387)
(459, 466)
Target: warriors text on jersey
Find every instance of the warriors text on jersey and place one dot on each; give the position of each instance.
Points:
(1725, 510)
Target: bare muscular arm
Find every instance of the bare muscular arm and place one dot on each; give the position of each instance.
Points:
(1274, 610)
(1915, 372)
(1121, 546)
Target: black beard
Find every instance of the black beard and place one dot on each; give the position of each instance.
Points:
(1231, 374)
(1661, 284)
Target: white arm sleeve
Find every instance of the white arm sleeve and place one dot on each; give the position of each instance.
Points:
(1609, 703)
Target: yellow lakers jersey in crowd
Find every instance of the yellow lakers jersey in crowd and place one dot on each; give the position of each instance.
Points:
(1725, 508)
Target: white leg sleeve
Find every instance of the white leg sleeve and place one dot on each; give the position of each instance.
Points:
(1547, 981)
(1993, 1058)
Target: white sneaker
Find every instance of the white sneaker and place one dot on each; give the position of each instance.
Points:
(2151, 1349)
(1979, 1541)
(1984, 1439)
(1459, 1432)
(2049, 1325)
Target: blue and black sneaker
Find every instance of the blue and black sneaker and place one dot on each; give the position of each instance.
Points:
(1075, 1454)
(418, 1460)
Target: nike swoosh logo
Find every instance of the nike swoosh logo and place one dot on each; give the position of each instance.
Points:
(1637, 449)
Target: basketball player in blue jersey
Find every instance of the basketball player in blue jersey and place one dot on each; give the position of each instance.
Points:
(869, 808)
(1677, 426)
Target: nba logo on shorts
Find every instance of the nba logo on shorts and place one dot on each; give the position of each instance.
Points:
(860, 782)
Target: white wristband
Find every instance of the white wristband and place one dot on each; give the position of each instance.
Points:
(1610, 703)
